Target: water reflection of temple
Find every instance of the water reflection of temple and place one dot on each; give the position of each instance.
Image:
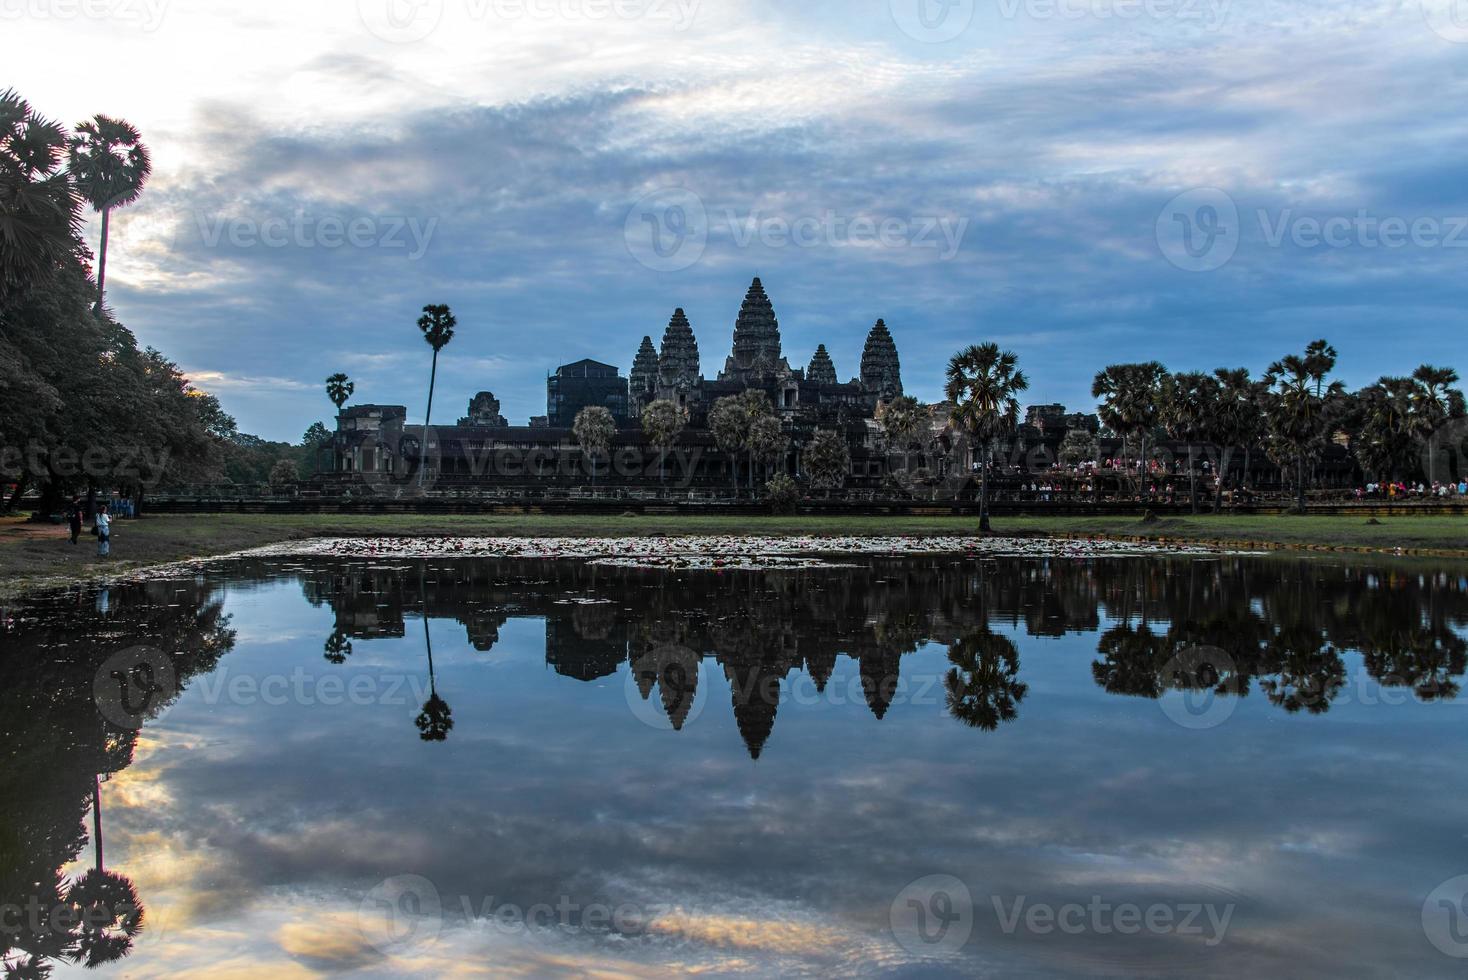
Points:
(1281, 625)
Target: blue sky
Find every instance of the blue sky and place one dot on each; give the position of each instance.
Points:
(1204, 182)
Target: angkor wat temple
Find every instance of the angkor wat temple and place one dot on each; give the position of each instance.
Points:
(374, 441)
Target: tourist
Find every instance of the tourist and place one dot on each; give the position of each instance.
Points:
(104, 532)
(74, 518)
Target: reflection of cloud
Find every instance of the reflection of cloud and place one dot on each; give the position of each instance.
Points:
(330, 942)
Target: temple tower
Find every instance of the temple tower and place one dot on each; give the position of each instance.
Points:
(881, 369)
(756, 353)
(644, 378)
(678, 364)
(822, 370)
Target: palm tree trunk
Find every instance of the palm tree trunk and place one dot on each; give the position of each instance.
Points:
(97, 819)
(1225, 458)
(984, 527)
(427, 421)
(102, 261)
(20, 485)
(1300, 483)
(1192, 479)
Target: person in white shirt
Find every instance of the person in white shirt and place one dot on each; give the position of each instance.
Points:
(104, 532)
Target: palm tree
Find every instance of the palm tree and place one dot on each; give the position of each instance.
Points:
(662, 421)
(104, 903)
(1388, 427)
(1239, 420)
(1189, 408)
(767, 442)
(901, 420)
(110, 165)
(1131, 403)
(594, 428)
(40, 213)
(339, 388)
(983, 385)
(437, 324)
(729, 423)
(1437, 402)
(1298, 393)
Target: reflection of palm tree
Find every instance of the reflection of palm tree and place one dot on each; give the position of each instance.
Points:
(1132, 661)
(983, 687)
(1423, 659)
(338, 649)
(436, 719)
(104, 904)
(1305, 672)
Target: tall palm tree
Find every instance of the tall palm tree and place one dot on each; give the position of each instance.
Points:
(1131, 403)
(104, 903)
(109, 165)
(983, 385)
(1239, 421)
(40, 212)
(901, 420)
(1189, 408)
(662, 421)
(437, 324)
(340, 389)
(1437, 402)
(1297, 400)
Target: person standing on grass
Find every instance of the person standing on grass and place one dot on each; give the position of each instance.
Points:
(104, 532)
(74, 518)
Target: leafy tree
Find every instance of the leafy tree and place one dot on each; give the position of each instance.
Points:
(437, 325)
(828, 460)
(594, 428)
(337, 648)
(663, 421)
(1131, 403)
(40, 211)
(983, 385)
(1079, 446)
(283, 472)
(1297, 404)
(110, 165)
(783, 494)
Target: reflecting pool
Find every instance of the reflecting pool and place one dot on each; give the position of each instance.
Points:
(921, 767)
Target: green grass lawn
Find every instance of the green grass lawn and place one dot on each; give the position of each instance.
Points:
(33, 556)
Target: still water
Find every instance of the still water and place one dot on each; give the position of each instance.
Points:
(906, 767)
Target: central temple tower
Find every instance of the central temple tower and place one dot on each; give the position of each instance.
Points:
(756, 354)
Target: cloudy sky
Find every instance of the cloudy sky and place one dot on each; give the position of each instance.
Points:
(1205, 182)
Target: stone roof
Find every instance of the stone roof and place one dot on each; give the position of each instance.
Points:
(644, 377)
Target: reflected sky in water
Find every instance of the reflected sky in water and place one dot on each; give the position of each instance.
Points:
(383, 770)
